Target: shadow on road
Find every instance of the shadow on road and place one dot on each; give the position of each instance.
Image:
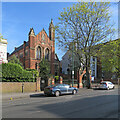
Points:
(97, 89)
(37, 95)
(94, 107)
(41, 95)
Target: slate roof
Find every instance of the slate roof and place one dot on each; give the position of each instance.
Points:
(19, 48)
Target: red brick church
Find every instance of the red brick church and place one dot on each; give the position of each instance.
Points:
(38, 46)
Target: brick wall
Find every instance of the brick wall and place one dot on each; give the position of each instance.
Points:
(12, 87)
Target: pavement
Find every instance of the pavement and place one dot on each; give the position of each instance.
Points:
(12, 96)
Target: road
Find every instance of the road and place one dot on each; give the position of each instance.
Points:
(87, 103)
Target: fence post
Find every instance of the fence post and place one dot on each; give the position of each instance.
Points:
(22, 87)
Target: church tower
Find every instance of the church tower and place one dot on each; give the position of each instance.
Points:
(52, 38)
(51, 31)
(31, 46)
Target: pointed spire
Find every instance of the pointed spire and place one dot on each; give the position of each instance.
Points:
(31, 33)
(43, 29)
(51, 23)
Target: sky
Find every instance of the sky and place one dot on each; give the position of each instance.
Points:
(19, 17)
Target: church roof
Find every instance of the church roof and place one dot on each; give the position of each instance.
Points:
(19, 48)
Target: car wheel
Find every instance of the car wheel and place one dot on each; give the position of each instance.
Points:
(108, 88)
(57, 93)
(113, 87)
(74, 92)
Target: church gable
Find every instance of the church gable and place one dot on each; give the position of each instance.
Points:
(43, 37)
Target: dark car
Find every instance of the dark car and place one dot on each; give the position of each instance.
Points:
(59, 90)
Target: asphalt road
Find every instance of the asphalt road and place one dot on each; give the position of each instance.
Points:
(85, 104)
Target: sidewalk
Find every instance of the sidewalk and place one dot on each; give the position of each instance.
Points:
(12, 96)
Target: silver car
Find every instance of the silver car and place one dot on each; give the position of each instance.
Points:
(107, 85)
(59, 90)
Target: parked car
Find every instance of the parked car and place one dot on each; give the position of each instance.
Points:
(107, 85)
(59, 89)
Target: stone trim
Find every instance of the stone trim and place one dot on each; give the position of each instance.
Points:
(32, 48)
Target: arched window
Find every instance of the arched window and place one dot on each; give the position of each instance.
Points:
(47, 54)
(38, 52)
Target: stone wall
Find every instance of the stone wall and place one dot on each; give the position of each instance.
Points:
(13, 87)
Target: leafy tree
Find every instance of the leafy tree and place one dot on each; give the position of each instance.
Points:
(81, 27)
(110, 55)
(44, 67)
(14, 59)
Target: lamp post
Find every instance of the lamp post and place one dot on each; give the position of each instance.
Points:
(73, 65)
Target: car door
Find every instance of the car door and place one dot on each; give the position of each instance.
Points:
(66, 88)
(62, 88)
(111, 85)
(70, 89)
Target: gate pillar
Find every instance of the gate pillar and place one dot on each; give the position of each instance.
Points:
(61, 80)
(53, 81)
(38, 84)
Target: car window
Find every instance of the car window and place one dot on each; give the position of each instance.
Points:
(103, 83)
(66, 85)
(60, 85)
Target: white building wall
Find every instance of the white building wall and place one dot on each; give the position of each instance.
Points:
(3, 51)
(93, 66)
(65, 63)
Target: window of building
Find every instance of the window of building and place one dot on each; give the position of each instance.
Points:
(43, 37)
(21, 55)
(47, 54)
(38, 52)
(16, 56)
(26, 52)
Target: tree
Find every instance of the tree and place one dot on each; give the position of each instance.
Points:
(83, 26)
(14, 59)
(44, 67)
(110, 55)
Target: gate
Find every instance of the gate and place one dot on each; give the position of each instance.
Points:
(43, 83)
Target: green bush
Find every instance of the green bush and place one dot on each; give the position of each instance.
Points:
(35, 72)
(12, 72)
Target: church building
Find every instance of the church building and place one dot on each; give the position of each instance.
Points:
(37, 47)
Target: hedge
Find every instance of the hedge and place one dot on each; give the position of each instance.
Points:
(12, 72)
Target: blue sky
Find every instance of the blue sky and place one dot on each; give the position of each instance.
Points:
(19, 17)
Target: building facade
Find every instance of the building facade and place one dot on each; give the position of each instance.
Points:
(67, 67)
(3, 51)
(37, 47)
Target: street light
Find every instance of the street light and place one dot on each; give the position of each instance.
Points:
(73, 65)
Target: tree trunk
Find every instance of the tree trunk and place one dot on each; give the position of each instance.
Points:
(87, 73)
